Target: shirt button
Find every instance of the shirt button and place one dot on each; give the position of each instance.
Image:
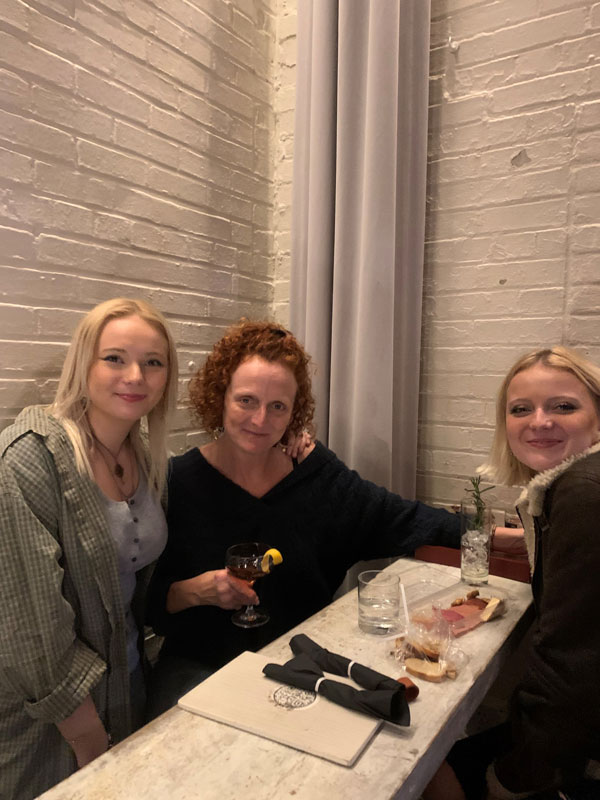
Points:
(131, 502)
(134, 558)
(135, 519)
(136, 540)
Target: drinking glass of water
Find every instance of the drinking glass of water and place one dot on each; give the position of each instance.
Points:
(475, 542)
(378, 602)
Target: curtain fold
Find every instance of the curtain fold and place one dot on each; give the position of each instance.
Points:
(313, 192)
(358, 225)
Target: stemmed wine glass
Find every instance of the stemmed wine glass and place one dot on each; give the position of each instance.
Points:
(247, 562)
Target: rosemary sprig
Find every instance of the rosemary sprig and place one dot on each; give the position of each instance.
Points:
(476, 491)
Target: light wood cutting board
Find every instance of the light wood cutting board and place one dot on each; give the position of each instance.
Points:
(240, 695)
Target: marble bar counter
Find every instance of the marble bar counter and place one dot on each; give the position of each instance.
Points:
(182, 756)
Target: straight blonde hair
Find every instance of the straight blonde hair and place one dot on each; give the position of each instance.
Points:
(502, 466)
(70, 403)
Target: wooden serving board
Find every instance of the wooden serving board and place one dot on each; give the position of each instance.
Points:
(240, 695)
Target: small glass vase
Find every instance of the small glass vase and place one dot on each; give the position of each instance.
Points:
(475, 541)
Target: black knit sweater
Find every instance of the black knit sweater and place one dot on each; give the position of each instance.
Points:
(322, 517)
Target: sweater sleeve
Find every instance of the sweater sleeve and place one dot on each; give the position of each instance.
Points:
(376, 523)
(41, 660)
(556, 714)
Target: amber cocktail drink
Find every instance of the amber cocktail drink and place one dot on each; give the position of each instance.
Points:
(248, 562)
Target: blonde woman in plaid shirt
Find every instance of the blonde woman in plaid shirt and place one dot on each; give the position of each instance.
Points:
(81, 490)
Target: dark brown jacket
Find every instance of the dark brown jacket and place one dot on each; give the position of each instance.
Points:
(556, 708)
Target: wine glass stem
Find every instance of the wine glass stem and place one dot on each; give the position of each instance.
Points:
(249, 613)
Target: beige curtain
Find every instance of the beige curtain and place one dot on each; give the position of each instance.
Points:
(358, 224)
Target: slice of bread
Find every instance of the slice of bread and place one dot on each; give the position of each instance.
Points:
(427, 670)
(429, 651)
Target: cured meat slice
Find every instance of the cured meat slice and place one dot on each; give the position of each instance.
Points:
(466, 624)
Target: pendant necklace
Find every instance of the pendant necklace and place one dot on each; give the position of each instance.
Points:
(118, 469)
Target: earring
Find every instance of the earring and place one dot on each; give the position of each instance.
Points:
(218, 432)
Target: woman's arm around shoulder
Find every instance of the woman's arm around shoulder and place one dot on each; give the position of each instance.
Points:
(300, 446)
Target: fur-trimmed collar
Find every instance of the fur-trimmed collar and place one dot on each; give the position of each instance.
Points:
(531, 501)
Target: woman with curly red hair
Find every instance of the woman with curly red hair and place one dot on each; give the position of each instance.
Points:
(253, 393)
(246, 339)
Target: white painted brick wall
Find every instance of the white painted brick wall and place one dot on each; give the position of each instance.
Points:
(285, 103)
(147, 151)
(136, 158)
(513, 212)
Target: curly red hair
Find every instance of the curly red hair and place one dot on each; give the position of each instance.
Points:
(241, 341)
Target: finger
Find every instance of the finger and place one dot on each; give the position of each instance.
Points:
(241, 591)
(291, 446)
(301, 443)
(237, 584)
(233, 605)
(248, 597)
(307, 449)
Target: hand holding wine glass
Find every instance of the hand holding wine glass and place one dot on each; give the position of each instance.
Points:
(231, 593)
(248, 562)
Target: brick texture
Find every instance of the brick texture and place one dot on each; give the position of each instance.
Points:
(146, 149)
(512, 218)
(137, 158)
(512, 215)
(284, 104)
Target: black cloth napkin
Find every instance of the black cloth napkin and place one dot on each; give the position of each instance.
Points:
(302, 672)
(338, 665)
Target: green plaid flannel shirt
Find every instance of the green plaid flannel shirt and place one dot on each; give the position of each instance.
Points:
(62, 633)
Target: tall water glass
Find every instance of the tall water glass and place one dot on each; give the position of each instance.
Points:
(475, 542)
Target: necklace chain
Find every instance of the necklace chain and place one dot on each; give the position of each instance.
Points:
(118, 470)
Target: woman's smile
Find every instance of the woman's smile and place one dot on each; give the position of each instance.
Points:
(544, 442)
(131, 398)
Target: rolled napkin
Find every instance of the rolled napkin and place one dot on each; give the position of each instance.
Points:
(302, 672)
(340, 665)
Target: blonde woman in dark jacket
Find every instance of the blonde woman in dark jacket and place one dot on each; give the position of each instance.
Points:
(547, 437)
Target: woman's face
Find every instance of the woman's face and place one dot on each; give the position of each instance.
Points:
(550, 415)
(129, 372)
(258, 404)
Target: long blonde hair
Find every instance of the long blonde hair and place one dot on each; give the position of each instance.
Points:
(502, 466)
(70, 403)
